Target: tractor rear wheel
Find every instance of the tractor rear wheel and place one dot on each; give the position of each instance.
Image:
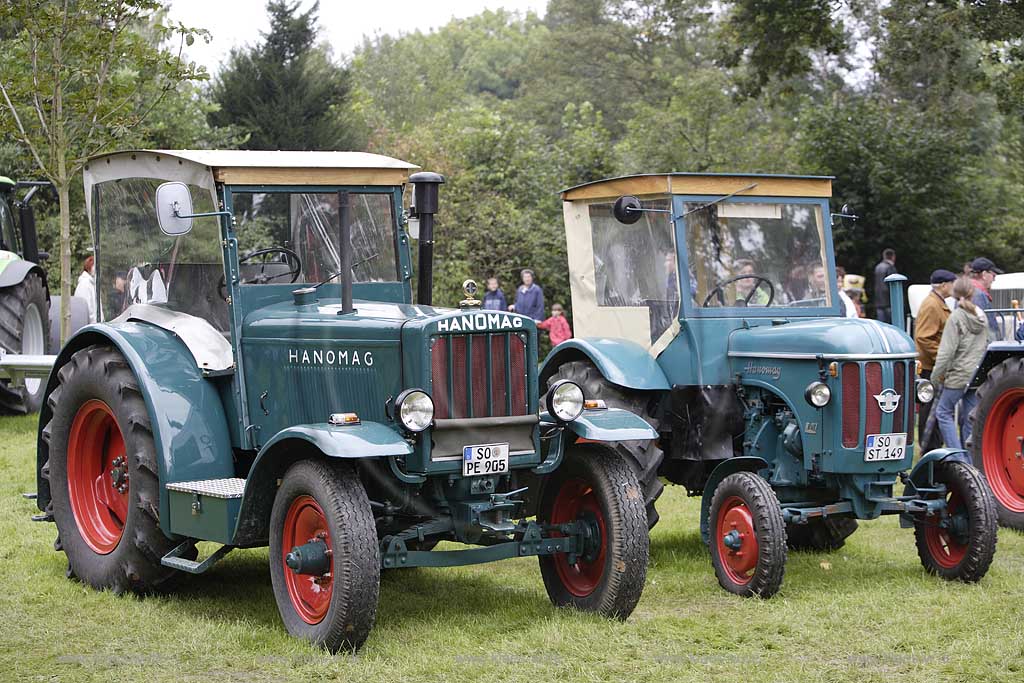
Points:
(962, 546)
(102, 471)
(596, 487)
(324, 558)
(24, 328)
(820, 535)
(748, 536)
(644, 456)
(997, 440)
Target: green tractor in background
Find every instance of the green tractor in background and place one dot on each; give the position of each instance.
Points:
(29, 315)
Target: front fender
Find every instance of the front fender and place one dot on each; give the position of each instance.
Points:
(16, 270)
(921, 475)
(190, 429)
(746, 463)
(613, 424)
(620, 361)
(364, 440)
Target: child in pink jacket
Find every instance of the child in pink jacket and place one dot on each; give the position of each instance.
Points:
(557, 326)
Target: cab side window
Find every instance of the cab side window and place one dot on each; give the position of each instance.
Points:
(8, 234)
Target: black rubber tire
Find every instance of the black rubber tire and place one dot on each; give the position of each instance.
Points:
(100, 372)
(626, 541)
(769, 528)
(972, 490)
(1004, 377)
(820, 535)
(644, 456)
(356, 561)
(14, 304)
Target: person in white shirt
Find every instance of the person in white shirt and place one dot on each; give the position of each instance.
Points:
(86, 287)
(849, 308)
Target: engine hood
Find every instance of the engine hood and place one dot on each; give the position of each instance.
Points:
(830, 338)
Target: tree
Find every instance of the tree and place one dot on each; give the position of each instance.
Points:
(286, 93)
(70, 81)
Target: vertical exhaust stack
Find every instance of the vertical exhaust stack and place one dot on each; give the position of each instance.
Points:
(424, 206)
(896, 300)
(345, 252)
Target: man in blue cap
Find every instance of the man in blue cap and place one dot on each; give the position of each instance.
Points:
(983, 274)
(931, 320)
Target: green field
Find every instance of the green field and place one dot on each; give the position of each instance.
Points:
(865, 613)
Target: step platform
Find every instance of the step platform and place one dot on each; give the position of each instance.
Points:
(205, 509)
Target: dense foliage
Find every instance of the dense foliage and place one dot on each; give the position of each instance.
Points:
(915, 106)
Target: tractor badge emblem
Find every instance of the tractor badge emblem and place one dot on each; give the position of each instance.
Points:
(888, 400)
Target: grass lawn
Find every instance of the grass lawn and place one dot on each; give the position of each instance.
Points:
(865, 613)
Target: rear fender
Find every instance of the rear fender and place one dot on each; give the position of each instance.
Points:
(744, 463)
(997, 352)
(16, 270)
(621, 362)
(189, 425)
(301, 442)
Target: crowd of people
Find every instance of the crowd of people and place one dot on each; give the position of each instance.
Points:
(529, 301)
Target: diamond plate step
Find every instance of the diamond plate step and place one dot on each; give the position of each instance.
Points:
(233, 487)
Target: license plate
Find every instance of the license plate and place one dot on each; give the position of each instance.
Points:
(488, 458)
(878, 447)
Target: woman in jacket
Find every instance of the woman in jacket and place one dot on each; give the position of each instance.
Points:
(963, 344)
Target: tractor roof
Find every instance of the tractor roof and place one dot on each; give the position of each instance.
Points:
(253, 167)
(764, 185)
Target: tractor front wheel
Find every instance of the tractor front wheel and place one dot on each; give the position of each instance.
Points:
(997, 440)
(102, 471)
(324, 559)
(596, 489)
(748, 536)
(960, 544)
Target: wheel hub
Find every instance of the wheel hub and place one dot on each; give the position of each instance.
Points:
(119, 474)
(312, 558)
(737, 544)
(1002, 447)
(308, 576)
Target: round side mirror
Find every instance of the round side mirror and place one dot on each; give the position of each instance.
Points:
(627, 209)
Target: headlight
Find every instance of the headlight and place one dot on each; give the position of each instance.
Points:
(565, 400)
(415, 409)
(818, 394)
(925, 391)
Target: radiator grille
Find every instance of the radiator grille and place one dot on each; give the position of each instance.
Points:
(478, 375)
(870, 375)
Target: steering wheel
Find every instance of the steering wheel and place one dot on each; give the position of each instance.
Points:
(719, 290)
(261, 278)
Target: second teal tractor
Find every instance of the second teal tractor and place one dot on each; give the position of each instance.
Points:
(709, 304)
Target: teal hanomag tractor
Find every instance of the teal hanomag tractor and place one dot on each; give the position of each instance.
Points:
(708, 304)
(261, 376)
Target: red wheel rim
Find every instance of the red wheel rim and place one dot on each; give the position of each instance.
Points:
(310, 595)
(734, 518)
(576, 500)
(98, 479)
(1002, 452)
(942, 546)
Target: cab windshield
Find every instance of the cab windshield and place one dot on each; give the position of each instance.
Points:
(295, 236)
(758, 255)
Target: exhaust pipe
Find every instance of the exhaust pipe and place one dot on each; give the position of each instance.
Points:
(424, 206)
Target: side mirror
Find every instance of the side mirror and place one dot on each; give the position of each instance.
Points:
(174, 208)
(627, 210)
(846, 212)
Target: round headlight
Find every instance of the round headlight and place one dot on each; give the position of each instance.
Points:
(925, 391)
(415, 409)
(818, 394)
(565, 400)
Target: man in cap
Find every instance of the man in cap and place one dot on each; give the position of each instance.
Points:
(983, 274)
(931, 320)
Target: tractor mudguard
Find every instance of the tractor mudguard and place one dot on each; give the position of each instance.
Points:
(745, 463)
(921, 473)
(613, 424)
(996, 353)
(621, 362)
(189, 425)
(363, 440)
(16, 270)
